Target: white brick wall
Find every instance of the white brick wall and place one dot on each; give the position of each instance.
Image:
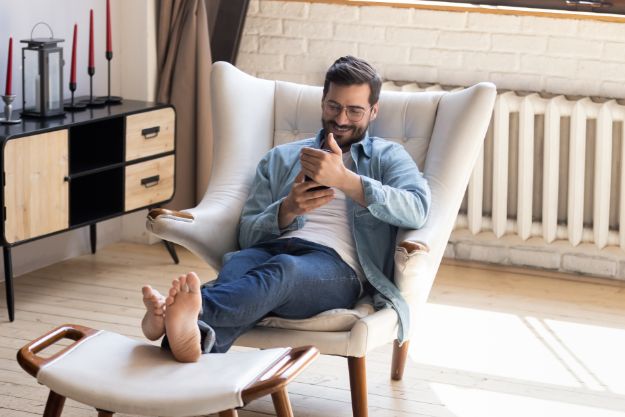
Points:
(298, 41)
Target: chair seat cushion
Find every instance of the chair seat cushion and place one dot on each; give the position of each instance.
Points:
(115, 373)
(336, 320)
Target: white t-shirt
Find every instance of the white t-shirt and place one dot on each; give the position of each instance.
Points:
(329, 226)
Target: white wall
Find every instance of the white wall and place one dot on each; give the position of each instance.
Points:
(134, 57)
(297, 41)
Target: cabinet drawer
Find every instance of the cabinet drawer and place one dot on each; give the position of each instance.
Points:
(149, 182)
(150, 133)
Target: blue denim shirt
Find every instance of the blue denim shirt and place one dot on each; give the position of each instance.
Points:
(396, 193)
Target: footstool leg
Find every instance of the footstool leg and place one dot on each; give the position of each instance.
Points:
(54, 406)
(228, 413)
(281, 403)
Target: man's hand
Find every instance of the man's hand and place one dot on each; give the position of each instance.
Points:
(327, 168)
(301, 200)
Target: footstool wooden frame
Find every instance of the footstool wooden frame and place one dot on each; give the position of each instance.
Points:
(273, 380)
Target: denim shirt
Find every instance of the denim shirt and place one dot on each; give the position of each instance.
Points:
(396, 193)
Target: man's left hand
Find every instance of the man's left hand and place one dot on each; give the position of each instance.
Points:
(323, 167)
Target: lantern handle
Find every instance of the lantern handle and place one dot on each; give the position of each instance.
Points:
(41, 23)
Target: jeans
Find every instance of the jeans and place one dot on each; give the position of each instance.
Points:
(290, 278)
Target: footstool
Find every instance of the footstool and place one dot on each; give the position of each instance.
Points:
(114, 373)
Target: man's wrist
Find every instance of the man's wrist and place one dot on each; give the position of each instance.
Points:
(285, 217)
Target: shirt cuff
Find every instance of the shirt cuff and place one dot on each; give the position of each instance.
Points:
(296, 224)
(374, 192)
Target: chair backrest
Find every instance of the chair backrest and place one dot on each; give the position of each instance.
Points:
(252, 115)
(442, 131)
(406, 118)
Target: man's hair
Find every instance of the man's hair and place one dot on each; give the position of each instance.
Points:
(349, 70)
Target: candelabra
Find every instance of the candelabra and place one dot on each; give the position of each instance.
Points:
(8, 110)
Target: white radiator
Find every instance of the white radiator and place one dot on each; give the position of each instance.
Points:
(551, 167)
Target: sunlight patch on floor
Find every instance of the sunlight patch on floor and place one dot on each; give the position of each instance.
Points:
(521, 349)
(472, 402)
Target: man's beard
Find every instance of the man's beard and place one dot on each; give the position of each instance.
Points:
(353, 134)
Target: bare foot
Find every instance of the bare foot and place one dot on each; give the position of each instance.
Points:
(153, 323)
(183, 307)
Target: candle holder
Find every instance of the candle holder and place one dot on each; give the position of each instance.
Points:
(8, 110)
(93, 101)
(74, 105)
(109, 98)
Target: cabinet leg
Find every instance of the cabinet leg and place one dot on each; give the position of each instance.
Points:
(8, 281)
(172, 251)
(93, 236)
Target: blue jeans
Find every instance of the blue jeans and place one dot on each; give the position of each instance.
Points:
(291, 278)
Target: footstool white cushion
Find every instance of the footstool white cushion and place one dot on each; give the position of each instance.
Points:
(113, 372)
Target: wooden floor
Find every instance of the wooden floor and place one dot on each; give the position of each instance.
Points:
(490, 343)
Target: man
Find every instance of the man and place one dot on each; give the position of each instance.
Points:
(318, 229)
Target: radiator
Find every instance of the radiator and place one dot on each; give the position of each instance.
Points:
(550, 167)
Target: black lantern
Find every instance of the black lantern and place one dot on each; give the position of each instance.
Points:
(42, 76)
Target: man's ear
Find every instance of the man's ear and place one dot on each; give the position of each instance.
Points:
(374, 111)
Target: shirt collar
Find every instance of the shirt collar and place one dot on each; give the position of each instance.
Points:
(365, 143)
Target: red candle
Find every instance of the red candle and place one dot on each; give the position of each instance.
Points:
(8, 90)
(91, 61)
(109, 46)
(72, 77)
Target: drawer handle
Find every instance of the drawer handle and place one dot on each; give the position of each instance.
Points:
(150, 181)
(150, 132)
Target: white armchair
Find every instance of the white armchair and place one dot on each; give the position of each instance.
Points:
(442, 131)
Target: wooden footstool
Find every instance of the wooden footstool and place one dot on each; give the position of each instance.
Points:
(114, 373)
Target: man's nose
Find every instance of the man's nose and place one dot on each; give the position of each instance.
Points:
(341, 118)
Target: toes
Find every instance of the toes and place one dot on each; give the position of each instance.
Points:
(146, 290)
(173, 292)
(175, 284)
(183, 283)
(193, 282)
(169, 300)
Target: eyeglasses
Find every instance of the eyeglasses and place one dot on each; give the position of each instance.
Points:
(354, 113)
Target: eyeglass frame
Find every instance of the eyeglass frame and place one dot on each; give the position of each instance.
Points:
(340, 108)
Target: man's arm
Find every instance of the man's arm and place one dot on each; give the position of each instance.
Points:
(260, 213)
(402, 196)
(266, 216)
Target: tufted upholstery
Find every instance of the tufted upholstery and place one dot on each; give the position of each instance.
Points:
(443, 131)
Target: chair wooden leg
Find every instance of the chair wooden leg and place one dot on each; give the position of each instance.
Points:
(54, 405)
(228, 413)
(104, 413)
(399, 360)
(281, 403)
(358, 385)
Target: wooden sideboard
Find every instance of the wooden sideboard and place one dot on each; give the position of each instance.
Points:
(74, 171)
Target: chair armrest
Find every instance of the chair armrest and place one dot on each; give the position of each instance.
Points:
(184, 216)
(209, 230)
(372, 331)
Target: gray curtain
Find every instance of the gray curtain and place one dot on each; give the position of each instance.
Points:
(184, 62)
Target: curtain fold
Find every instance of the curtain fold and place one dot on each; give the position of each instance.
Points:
(184, 62)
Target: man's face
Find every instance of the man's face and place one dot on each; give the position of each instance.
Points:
(346, 113)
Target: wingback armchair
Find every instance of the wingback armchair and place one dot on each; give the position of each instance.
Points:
(442, 131)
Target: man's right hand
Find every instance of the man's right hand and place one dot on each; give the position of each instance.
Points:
(302, 199)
